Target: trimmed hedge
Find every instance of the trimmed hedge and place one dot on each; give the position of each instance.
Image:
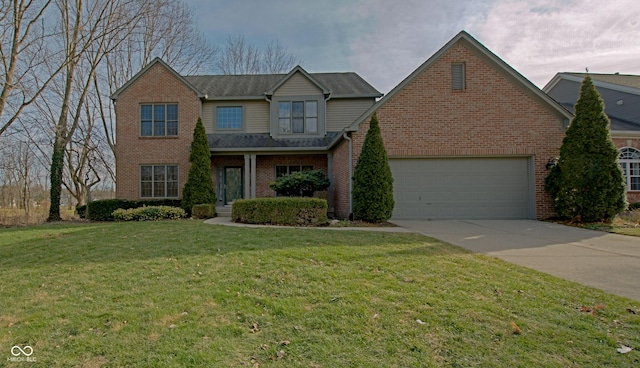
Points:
(151, 213)
(280, 211)
(102, 210)
(203, 211)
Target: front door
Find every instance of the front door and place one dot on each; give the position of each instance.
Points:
(232, 184)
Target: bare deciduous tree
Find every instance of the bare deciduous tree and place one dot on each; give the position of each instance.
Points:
(24, 52)
(89, 31)
(241, 57)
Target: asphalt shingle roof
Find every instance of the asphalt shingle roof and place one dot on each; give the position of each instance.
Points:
(265, 141)
(255, 85)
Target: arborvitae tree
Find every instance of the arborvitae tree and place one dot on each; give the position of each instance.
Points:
(372, 179)
(199, 187)
(587, 184)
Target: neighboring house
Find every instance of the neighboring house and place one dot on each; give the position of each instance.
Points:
(259, 127)
(621, 96)
(467, 136)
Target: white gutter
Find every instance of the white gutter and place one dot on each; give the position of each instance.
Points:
(345, 136)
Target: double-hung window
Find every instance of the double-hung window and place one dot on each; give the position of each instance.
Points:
(229, 117)
(298, 117)
(630, 162)
(159, 181)
(159, 120)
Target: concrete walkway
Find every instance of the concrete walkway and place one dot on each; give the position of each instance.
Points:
(605, 261)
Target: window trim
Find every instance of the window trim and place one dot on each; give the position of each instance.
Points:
(153, 181)
(626, 157)
(232, 130)
(320, 115)
(152, 121)
(458, 76)
(302, 168)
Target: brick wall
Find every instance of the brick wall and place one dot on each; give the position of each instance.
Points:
(157, 85)
(491, 117)
(266, 169)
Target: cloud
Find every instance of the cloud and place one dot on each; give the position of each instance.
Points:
(406, 33)
(542, 37)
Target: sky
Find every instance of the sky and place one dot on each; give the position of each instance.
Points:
(385, 40)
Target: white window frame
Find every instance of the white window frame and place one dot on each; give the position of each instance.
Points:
(629, 160)
(159, 184)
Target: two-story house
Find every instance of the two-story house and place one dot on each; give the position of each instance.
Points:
(621, 96)
(259, 127)
(467, 136)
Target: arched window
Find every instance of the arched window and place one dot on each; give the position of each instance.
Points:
(630, 162)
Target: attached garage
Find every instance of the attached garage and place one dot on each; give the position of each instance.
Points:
(463, 188)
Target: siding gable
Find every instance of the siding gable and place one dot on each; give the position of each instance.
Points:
(297, 85)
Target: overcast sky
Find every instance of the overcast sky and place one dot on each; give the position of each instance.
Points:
(385, 40)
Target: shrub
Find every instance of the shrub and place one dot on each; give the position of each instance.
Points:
(203, 211)
(634, 206)
(587, 185)
(280, 211)
(151, 213)
(81, 211)
(102, 210)
(199, 186)
(300, 184)
(372, 179)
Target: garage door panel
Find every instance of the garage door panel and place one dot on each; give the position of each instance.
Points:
(459, 188)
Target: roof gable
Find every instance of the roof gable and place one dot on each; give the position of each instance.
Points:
(148, 67)
(621, 101)
(492, 59)
(297, 70)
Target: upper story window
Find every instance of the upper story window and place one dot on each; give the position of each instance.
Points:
(229, 117)
(298, 117)
(458, 76)
(630, 162)
(159, 120)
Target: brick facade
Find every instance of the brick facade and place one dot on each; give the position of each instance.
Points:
(491, 117)
(157, 85)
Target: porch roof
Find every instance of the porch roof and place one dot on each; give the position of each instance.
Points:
(264, 142)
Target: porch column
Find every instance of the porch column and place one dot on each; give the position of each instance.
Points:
(253, 176)
(247, 176)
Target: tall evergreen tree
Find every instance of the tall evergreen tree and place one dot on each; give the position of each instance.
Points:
(372, 179)
(199, 187)
(587, 184)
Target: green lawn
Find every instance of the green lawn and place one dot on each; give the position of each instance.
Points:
(186, 294)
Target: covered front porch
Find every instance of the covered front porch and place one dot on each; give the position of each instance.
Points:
(237, 176)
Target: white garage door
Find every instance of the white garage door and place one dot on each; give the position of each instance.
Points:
(462, 188)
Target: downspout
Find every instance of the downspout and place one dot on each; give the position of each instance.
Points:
(346, 136)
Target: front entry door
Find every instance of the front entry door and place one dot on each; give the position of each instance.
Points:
(232, 184)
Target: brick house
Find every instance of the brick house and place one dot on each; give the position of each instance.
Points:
(621, 96)
(467, 135)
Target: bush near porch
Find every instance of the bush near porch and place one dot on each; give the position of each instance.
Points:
(280, 211)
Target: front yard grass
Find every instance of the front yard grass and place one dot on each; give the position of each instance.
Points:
(187, 294)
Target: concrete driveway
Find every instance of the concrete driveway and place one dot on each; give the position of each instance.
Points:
(605, 261)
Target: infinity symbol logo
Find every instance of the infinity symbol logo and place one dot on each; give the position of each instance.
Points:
(22, 351)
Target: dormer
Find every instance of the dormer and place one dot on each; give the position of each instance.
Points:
(298, 106)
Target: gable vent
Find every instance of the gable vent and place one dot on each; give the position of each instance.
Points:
(457, 76)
